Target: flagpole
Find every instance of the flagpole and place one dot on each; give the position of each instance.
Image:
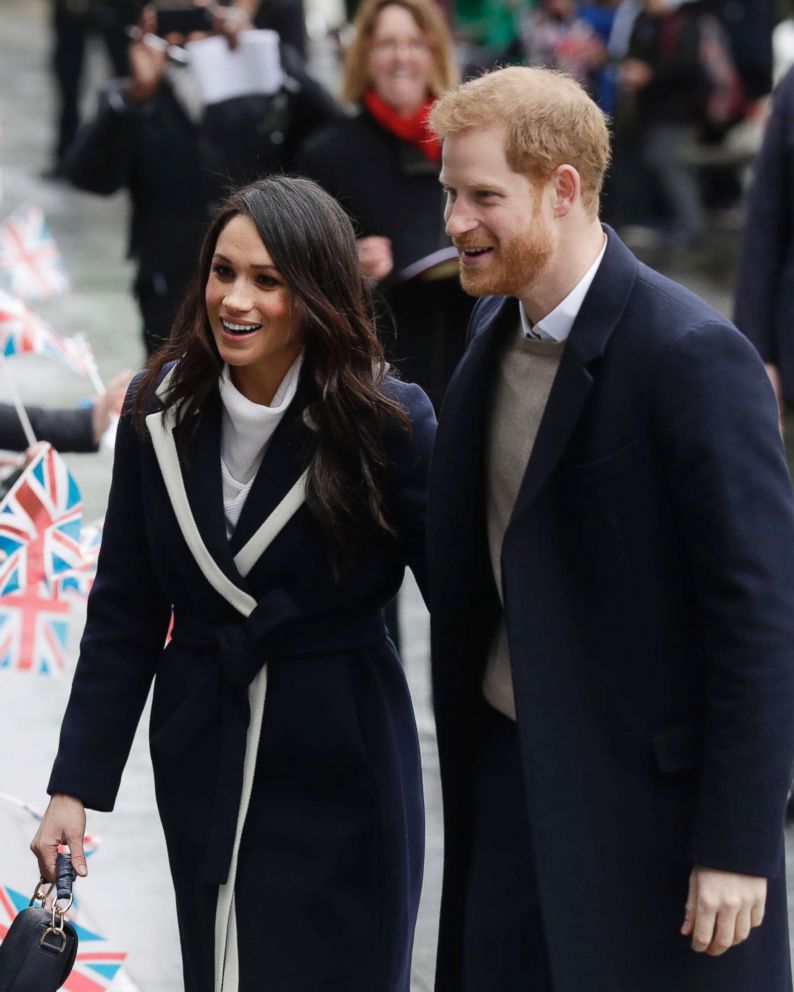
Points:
(19, 406)
(96, 382)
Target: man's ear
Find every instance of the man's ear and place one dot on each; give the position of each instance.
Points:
(567, 186)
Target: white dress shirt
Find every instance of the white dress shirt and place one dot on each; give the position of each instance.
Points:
(556, 326)
(246, 430)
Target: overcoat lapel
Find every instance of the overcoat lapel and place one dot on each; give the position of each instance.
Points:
(600, 312)
(201, 470)
(458, 456)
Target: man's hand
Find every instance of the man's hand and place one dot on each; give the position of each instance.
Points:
(721, 909)
(375, 257)
(63, 823)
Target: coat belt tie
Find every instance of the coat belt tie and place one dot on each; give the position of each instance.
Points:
(275, 630)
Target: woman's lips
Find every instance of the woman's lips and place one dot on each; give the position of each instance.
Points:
(235, 328)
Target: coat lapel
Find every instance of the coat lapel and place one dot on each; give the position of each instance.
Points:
(457, 472)
(221, 574)
(601, 310)
(201, 471)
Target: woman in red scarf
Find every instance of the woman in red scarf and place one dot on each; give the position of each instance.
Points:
(382, 164)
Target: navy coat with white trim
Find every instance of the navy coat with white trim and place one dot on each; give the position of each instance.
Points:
(648, 570)
(330, 861)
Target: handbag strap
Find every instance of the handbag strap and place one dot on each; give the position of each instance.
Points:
(64, 877)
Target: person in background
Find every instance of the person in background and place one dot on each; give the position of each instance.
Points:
(764, 298)
(72, 22)
(152, 136)
(382, 165)
(664, 88)
(555, 36)
(79, 429)
(600, 15)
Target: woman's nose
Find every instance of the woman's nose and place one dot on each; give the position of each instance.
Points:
(237, 298)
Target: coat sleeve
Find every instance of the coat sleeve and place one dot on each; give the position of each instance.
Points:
(99, 159)
(767, 233)
(125, 630)
(66, 430)
(726, 470)
(313, 106)
(411, 467)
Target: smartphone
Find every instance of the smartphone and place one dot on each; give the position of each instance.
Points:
(182, 20)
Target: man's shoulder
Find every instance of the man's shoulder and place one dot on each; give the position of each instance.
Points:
(666, 310)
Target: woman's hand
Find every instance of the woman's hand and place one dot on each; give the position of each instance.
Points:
(375, 257)
(63, 823)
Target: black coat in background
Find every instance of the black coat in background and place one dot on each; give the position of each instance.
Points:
(176, 170)
(749, 24)
(66, 430)
(764, 304)
(390, 188)
(647, 570)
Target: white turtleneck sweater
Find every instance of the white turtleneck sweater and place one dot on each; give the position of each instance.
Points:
(246, 430)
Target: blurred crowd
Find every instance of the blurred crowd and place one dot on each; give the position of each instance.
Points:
(685, 84)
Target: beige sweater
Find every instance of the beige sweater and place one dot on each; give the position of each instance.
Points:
(524, 377)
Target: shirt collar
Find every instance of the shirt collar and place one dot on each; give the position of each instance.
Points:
(556, 326)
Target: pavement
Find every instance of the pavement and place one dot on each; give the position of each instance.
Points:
(127, 896)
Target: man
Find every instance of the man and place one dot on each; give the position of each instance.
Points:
(611, 564)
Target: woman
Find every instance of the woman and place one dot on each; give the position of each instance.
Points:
(383, 166)
(294, 821)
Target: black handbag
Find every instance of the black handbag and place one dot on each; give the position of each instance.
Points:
(40, 946)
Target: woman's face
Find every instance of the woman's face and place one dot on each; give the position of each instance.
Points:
(249, 307)
(400, 60)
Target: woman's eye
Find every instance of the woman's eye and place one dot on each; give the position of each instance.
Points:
(267, 281)
(222, 270)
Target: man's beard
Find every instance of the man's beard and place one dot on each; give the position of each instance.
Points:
(514, 266)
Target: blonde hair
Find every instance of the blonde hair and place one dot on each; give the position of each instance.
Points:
(550, 121)
(429, 19)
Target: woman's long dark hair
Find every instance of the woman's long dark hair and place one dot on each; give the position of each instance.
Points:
(313, 246)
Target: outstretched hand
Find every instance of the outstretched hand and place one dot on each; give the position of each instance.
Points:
(721, 909)
(62, 823)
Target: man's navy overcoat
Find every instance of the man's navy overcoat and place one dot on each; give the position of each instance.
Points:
(648, 574)
(330, 861)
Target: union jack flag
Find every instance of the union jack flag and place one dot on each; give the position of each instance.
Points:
(31, 260)
(40, 520)
(98, 961)
(34, 630)
(23, 332)
(78, 581)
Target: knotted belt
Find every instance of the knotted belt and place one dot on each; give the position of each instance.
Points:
(275, 630)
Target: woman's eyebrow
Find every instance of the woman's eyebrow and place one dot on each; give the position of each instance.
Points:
(254, 265)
